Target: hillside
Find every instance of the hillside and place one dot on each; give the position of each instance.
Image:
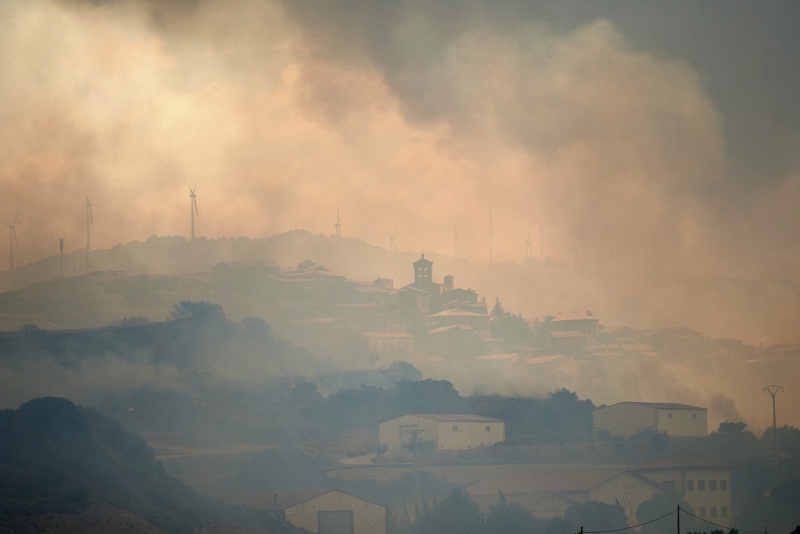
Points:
(161, 271)
(60, 462)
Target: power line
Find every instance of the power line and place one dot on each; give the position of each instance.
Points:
(634, 526)
(722, 526)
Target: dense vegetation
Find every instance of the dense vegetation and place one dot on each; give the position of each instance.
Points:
(56, 457)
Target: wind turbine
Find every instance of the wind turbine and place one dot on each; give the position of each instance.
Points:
(193, 207)
(456, 249)
(491, 236)
(338, 225)
(528, 247)
(541, 242)
(89, 224)
(12, 239)
(61, 249)
(392, 240)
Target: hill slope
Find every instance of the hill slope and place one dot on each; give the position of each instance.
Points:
(57, 458)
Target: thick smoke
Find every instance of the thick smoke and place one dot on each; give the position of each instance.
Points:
(409, 115)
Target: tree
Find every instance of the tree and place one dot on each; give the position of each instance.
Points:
(202, 311)
(456, 514)
(506, 518)
(661, 503)
(599, 515)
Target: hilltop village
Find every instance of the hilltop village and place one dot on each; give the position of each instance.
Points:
(294, 390)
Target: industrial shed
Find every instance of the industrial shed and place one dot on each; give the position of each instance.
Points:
(446, 431)
(324, 511)
(629, 418)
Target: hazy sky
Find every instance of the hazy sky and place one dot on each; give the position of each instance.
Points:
(656, 135)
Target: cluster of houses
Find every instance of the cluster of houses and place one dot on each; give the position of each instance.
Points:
(545, 490)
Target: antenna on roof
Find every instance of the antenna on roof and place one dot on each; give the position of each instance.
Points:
(338, 225)
(392, 240)
(61, 251)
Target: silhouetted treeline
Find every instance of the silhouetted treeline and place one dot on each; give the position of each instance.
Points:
(56, 457)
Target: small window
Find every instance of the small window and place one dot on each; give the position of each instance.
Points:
(690, 485)
(455, 428)
(723, 486)
(702, 512)
(713, 511)
(694, 416)
(724, 511)
(488, 428)
(669, 415)
(701, 485)
(668, 484)
(712, 485)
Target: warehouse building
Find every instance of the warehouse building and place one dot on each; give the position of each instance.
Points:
(324, 511)
(626, 419)
(445, 432)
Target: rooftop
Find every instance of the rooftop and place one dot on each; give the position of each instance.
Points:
(457, 418)
(661, 405)
(566, 481)
(455, 312)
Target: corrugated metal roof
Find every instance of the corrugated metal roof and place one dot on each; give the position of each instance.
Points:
(458, 313)
(661, 405)
(457, 418)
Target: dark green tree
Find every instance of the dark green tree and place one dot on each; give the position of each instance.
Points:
(456, 514)
(504, 518)
(597, 515)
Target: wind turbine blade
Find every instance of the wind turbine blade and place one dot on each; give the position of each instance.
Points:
(87, 199)
(194, 203)
(16, 217)
(91, 217)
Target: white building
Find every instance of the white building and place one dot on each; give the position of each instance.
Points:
(629, 418)
(446, 432)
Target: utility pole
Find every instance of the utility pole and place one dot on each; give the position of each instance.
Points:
(414, 440)
(773, 390)
(679, 519)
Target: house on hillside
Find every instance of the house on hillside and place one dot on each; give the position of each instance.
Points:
(626, 419)
(450, 431)
(549, 494)
(704, 483)
(324, 511)
(585, 323)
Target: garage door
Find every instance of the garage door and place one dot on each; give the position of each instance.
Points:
(339, 522)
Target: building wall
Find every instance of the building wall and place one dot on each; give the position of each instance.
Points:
(469, 435)
(683, 422)
(707, 498)
(627, 488)
(368, 518)
(398, 431)
(625, 419)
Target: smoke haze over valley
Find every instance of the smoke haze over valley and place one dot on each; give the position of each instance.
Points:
(424, 267)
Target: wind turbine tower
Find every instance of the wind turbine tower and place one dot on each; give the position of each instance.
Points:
(528, 244)
(89, 224)
(491, 236)
(61, 250)
(193, 207)
(541, 242)
(456, 249)
(338, 225)
(392, 240)
(12, 239)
